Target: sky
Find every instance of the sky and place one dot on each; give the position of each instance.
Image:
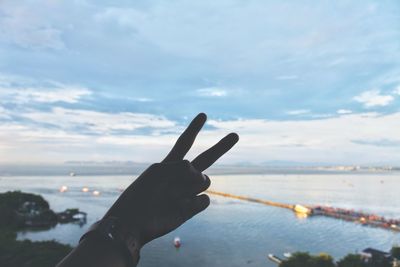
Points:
(299, 81)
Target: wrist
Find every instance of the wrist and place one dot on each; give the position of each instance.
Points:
(94, 250)
(123, 239)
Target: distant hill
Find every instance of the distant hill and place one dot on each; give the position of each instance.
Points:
(82, 168)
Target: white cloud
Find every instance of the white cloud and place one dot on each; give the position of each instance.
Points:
(374, 98)
(320, 140)
(82, 135)
(21, 26)
(123, 17)
(397, 90)
(135, 140)
(21, 96)
(212, 92)
(67, 134)
(321, 116)
(298, 112)
(20, 90)
(4, 114)
(97, 122)
(344, 111)
(67, 95)
(143, 99)
(378, 142)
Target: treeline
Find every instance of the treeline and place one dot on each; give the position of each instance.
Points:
(14, 253)
(304, 259)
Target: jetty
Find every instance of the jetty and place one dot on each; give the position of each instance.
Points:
(72, 216)
(265, 202)
(359, 217)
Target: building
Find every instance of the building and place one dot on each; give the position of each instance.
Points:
(376, 257)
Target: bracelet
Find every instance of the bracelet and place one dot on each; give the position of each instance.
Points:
(112, 230)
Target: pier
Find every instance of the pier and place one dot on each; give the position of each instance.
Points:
(362, 218)
(249, 199)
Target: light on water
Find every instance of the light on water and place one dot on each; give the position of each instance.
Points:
(63, 189)
(96, 193)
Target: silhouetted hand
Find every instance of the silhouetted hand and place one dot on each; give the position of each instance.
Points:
(167, 194)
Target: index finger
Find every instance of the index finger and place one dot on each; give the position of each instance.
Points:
(211, 155)
(186, 140)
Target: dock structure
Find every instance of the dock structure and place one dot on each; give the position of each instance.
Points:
(336, 213)
(265, 202)
(275, 259)
(357, 217)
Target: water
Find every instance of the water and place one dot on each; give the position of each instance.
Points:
(232, 232)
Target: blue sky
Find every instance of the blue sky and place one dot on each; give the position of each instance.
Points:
(300, 81)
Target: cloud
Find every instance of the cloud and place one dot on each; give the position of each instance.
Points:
(374, 98)
(298, 112)
(75, 134)
(320, 140)
(391, 143)
(27, 29)
(21, 90)
(397, 90)
(321, 116)
(67, 95)
(4, 114)
(344, 111)
(123, 17)
(94, 122)
(143, 99)
(212, 92)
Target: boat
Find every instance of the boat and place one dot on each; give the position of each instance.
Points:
(177, 242)
(72, 216)
(274, 258)
(302, 209)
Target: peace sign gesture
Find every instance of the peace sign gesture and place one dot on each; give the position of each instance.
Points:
(167, 194)
(208, 157)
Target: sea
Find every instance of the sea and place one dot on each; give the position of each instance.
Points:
(234, 232)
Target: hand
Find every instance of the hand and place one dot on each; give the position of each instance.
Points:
(167, 194)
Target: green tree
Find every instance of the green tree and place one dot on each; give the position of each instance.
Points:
(395, 251)
(298, 259)
(31, 254)
(380, 262)
(25, 253)
(10, 202)
(322, 260)
(351, 260)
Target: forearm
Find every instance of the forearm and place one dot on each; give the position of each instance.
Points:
(95, 251)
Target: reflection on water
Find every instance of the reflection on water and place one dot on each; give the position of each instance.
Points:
(232, 232)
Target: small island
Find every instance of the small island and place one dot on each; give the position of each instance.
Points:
(21, 211)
